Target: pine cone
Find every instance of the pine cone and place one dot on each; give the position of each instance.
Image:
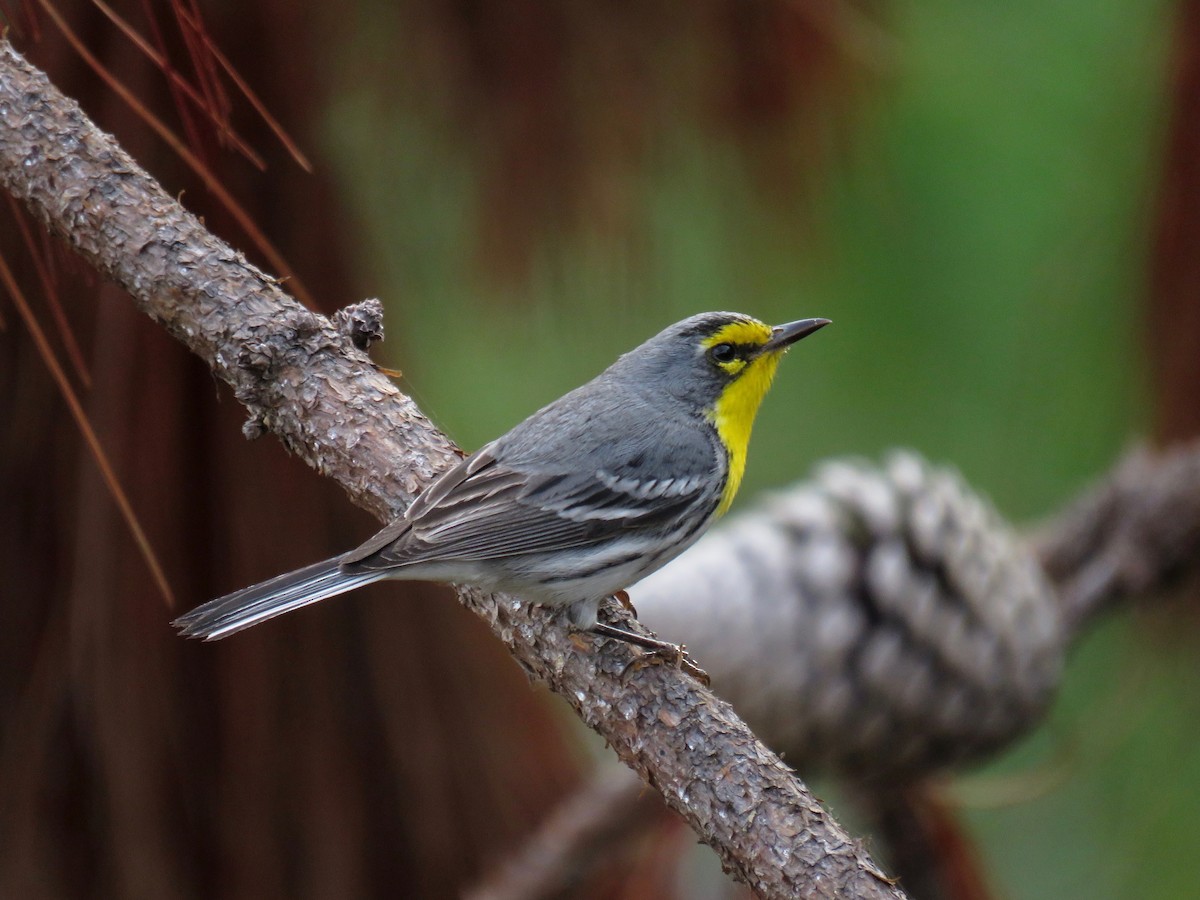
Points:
(874, 622)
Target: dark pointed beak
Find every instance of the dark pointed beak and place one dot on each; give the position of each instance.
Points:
(783, 336)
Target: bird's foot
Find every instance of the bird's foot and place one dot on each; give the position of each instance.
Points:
(662, 651)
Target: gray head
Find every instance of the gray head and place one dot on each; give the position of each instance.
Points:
(704, 357)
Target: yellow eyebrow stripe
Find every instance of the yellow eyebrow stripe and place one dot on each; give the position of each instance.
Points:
(747, 332)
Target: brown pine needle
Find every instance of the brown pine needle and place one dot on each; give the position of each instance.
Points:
(203, 65)
(70, 344)
(273, 257)
(248, 92)
(89, 435)
(190, 128)
(218, 120)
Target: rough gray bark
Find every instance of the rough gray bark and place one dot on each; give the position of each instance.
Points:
(303, 379)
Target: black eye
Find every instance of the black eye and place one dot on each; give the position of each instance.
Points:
(723, 353)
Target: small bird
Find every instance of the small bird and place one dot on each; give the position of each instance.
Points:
(582, 499)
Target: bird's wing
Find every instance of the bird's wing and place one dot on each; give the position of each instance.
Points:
(482, 460)
(484, 509)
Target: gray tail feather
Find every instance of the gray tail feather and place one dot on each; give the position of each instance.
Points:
(222, 617)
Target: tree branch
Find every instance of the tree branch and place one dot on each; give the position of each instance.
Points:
(1136, 532)
(304, 380)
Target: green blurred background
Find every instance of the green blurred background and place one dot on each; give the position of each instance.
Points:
(975, 220)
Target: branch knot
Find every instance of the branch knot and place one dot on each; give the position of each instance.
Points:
(362, 322)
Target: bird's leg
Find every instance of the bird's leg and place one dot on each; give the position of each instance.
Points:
(676, 654)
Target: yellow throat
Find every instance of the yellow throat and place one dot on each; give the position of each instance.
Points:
(733, 413)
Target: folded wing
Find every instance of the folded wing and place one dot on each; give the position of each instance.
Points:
(485, 510)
